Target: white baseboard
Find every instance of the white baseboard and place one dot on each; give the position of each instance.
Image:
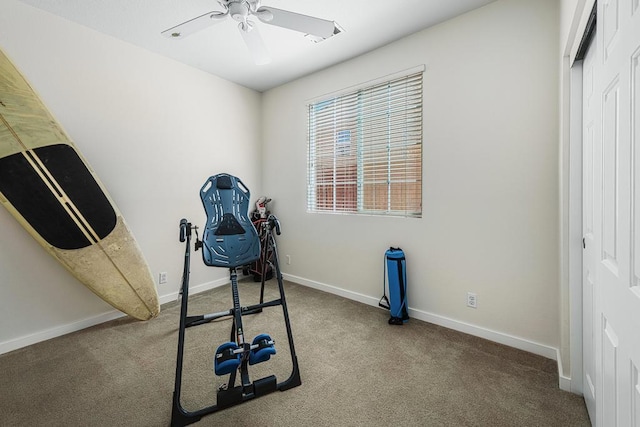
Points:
(24, 341)
(478, 331)
(563, 382)
(499, 337)
(332, 289)
(27, 340)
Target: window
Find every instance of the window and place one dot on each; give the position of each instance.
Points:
(365, 150)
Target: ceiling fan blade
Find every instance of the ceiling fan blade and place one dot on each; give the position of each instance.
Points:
(255, 43)
(296, 21)
(193, 25)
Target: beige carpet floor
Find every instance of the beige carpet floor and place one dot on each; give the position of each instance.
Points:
(356, 371)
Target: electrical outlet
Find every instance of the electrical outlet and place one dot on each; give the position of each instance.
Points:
(162, 278)
(288, 259)
(472, 300)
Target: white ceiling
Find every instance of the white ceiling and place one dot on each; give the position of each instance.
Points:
(220, 50)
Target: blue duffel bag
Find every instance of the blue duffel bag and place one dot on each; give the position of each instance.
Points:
(395, 273)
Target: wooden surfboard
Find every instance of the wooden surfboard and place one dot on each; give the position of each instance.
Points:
(50, 189)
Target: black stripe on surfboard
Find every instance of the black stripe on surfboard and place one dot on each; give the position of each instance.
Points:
(37, 198)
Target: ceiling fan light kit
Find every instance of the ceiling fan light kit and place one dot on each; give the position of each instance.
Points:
(316, 29)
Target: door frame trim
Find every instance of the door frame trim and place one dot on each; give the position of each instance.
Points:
(575, 265)
(571, 198)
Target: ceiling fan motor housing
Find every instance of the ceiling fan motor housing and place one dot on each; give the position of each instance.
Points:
(239, 10)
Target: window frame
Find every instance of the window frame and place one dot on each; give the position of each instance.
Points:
(412, 207)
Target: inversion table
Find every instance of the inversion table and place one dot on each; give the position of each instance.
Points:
(231, 241)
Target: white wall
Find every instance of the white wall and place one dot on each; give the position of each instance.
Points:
(153, 130)
(490, 221)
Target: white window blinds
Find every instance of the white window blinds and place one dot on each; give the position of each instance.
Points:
(365, 150)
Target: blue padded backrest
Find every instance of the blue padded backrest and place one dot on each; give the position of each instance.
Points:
(229, 238)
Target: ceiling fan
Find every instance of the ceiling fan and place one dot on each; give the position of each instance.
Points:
(241, 10)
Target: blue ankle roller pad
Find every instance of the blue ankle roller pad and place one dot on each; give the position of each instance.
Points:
(227, 362)
(229, 238)
(262, 353)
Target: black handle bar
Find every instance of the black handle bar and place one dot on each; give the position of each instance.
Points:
(184, 226)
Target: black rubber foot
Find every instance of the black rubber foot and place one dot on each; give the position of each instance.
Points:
(227, 398)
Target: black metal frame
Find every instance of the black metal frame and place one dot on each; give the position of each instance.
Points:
(231, 395)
